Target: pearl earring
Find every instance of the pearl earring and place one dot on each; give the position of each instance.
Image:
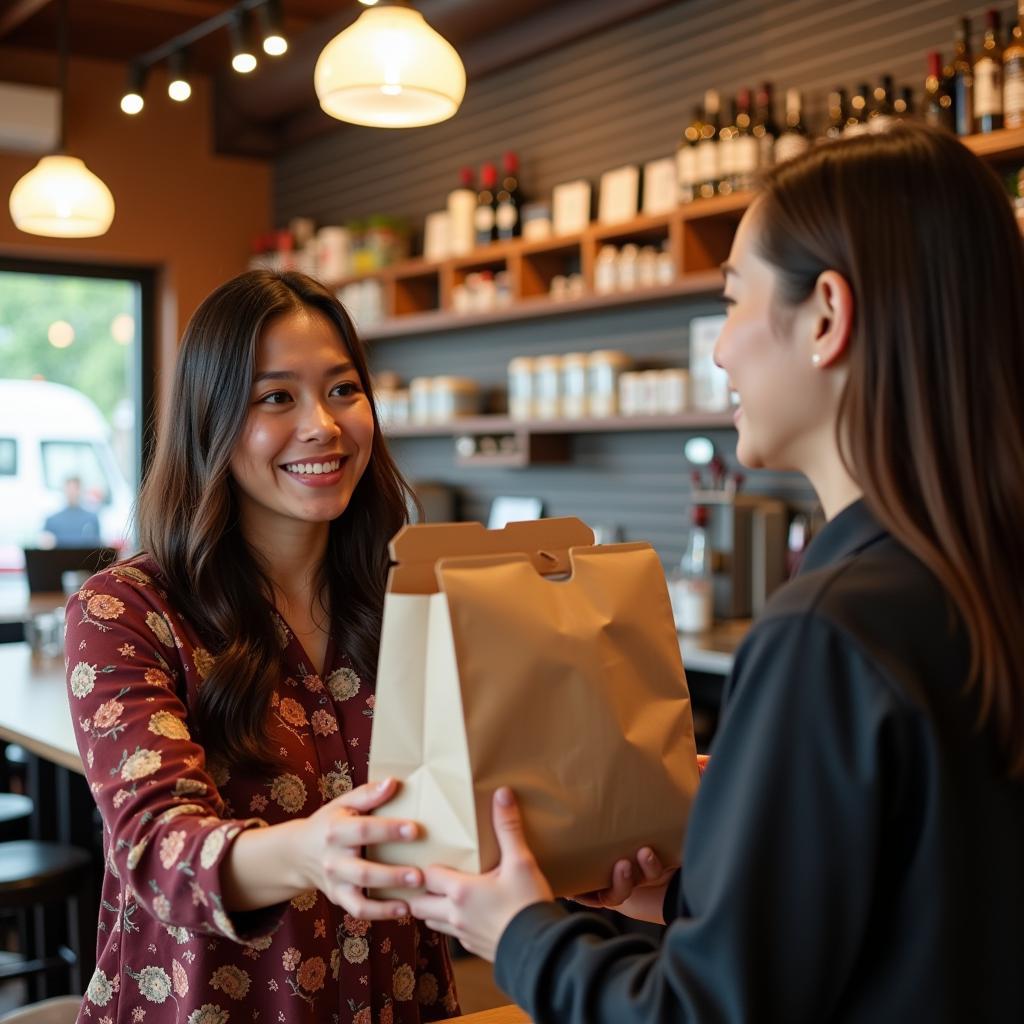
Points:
(816, 359)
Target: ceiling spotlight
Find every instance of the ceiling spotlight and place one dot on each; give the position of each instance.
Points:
(178, 88)
(132, 101)
(274, 42)
(243, 60)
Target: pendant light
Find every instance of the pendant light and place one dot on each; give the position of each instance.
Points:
(60, 197)
(390, 69)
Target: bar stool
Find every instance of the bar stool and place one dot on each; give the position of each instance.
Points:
(15, 812)
(38, 880)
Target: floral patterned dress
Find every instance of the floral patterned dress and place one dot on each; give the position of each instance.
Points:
(167, 948)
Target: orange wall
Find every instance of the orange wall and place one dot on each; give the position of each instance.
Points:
(179, 207)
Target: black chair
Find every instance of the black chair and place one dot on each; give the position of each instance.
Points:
(40, 881)
(44, 567)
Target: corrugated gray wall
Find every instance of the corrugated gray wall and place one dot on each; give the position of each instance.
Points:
(617, 97)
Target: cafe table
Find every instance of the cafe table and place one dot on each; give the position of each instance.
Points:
(500, 1015)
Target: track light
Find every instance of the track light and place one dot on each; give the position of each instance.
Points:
(272, 29)
(132, 101)
(243, 60)
(178, 88)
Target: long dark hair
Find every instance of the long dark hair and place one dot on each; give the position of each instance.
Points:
(929, 424)
(189, 521)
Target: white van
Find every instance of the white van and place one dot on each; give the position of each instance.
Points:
(49, 432)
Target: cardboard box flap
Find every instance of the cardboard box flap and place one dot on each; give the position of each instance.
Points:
(417, 549)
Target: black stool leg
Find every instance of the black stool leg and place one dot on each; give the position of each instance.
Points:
(86, 916)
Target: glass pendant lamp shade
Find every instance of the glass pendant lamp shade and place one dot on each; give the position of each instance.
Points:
(390, 70)
(61, 198)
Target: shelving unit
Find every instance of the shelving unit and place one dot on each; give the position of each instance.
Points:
(522, 443)
(418, 293)
(493, 425)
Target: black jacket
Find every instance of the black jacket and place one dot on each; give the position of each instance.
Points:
(854, 852)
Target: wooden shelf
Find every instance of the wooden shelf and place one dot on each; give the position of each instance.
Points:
(1005, 144)
(698, 283)
(418, 292)
(497, 425)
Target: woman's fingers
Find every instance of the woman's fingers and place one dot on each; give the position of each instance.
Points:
(356, 830)
(366, 874)
(368, 797)
(364, 907)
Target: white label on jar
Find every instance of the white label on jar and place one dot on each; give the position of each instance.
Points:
(692, 605)
(1013, 93)
(790, 145)
(506, 216)
(483, 219)
(744, 154)
(686, 167)
(707, 160)
(988, 88)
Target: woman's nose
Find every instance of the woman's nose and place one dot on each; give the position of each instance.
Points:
(318, 423)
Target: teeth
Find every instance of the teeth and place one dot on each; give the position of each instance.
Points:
(313, 468)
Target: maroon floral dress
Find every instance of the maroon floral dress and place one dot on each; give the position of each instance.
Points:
(167, 948)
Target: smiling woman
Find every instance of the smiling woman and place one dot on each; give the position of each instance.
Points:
(222, 686)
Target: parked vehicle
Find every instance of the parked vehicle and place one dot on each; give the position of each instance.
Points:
(48, 433)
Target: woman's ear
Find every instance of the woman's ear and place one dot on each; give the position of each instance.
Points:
(833, 307)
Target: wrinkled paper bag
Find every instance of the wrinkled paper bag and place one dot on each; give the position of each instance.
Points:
(529, 657)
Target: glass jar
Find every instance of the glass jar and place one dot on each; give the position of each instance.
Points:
(521, 395)
(547, 377)
(574, 385)
(421, 403)
(603, 369)
(453, 397)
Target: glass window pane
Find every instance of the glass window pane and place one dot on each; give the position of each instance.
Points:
(70, 350)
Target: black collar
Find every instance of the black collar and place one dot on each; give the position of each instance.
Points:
(850, 531)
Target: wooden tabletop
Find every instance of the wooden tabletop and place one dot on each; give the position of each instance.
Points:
(34, 710)
(501, 1015)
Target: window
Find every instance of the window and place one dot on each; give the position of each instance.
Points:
(8, 456)
(63, 460)
(75, 393)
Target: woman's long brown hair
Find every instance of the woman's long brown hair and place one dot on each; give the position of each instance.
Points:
(189, 522)
(930, 423)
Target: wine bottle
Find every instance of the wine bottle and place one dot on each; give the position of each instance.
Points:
(461, 214)
(795, 139)
(960, 79)
(903, 105)
(486, 202)
(857, 121)
(726, 134)
(744, 144)
(509, 200)
(988, 78)
(765, 128)
(1013, 74)
(881, 117)
(707, 148)
(938, 103)
(836, 114)
(686, 158)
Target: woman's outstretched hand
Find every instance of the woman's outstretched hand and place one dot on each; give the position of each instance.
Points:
(476, 909)
(333, 841)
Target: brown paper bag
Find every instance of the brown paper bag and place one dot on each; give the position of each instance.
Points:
(530, 658)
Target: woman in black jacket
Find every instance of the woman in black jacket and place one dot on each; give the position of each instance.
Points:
(856, 850)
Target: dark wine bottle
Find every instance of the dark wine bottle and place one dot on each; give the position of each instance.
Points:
(507, 214)
(486, 204)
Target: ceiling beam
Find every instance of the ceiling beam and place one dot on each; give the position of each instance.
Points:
(186, 8)
(18, 14)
